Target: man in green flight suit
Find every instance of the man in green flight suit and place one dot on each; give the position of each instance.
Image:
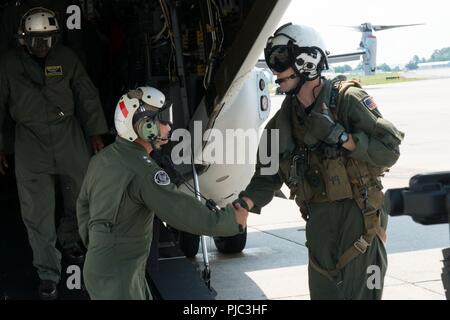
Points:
(334, 146)
(123, 191)
(52, 101)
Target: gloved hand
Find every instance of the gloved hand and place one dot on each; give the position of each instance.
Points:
(331, 151)
(321, 127)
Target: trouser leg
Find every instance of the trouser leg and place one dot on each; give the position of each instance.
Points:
(37, 201)
(333, 228)
(68, 226)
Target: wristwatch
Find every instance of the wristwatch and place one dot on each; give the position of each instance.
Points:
(242, 203)
(343, 138)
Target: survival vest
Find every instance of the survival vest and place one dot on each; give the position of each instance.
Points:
(314, 179)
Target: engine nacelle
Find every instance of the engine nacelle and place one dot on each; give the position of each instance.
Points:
(370, 58)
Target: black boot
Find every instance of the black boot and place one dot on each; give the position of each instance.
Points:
(48, 290)
(74, 254)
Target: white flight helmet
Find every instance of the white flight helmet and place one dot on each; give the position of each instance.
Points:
(139, 112)
(298, 46)
(38, 27)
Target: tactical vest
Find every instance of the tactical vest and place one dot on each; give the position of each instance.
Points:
(313, 179)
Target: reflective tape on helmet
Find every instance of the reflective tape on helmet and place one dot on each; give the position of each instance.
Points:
(123, 109)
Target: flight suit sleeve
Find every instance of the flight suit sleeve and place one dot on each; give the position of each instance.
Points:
(377, 140)
(89, 108)
(185, 212)
(4, 96)
(83, 214)
(262, 187)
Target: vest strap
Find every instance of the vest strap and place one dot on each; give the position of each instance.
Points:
(359, 247)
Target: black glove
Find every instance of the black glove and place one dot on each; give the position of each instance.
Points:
(321, 127)
(331, 151)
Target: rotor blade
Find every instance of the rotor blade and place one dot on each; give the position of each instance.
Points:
(354, 28)
(381, 28)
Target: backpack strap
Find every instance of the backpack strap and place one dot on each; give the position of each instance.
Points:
(339, 86)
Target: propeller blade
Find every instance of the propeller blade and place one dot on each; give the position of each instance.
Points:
(367, 27)
(380, 27)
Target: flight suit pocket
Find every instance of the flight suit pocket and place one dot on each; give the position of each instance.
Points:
(336, 180)
(315, 181)
(366, 184)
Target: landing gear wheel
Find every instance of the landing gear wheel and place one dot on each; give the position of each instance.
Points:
(234, 244)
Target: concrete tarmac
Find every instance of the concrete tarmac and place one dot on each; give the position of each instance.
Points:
(274, 263)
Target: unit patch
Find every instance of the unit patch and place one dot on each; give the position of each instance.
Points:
(162, 178)
(52, 71)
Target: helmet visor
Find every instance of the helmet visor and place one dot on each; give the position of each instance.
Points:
(278, 58)
(40, 42)
(165, 113)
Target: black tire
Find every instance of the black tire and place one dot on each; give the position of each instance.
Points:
(189, 243)
(234, 244)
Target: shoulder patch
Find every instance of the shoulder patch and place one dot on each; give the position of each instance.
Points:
(369, 103)
(162, 178)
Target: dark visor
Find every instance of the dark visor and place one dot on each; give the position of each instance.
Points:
(163, 114)
(38, 42)
(278, 58)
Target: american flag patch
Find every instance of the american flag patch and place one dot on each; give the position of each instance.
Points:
(369, 103)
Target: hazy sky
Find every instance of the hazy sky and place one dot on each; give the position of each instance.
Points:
(395, 46)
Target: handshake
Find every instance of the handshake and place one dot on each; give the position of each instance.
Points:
(241, 206)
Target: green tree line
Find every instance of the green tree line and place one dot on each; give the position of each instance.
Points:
(438, 55)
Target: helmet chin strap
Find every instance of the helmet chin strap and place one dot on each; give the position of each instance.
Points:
(153, 142)
(301, 82)
(292, 76)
